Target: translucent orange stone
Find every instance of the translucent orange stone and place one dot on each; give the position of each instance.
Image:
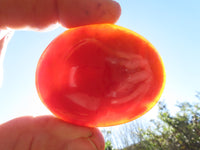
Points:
(100, 75)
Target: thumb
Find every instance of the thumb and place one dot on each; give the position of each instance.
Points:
(48, 133)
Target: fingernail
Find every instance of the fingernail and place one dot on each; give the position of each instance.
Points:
(81, 144)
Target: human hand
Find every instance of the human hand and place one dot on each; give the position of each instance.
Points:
(39, 14)
(48, 132)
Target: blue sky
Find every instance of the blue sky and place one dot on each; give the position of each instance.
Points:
(173, 27)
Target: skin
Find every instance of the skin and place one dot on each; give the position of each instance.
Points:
(48, 132)
(40, 14)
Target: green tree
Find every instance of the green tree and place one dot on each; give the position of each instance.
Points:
(180, 132)
(168, 132)
(107, 136)
(108, 145)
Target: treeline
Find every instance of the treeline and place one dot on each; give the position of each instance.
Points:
(168, 132)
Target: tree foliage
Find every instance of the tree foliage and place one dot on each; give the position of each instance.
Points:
(168, 132)
(180, 132)
(107, 135)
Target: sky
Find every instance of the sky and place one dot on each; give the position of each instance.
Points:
(173, 27)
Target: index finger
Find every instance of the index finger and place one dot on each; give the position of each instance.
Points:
(70, 13)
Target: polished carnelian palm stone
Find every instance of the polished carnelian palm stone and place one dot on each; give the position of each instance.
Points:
(99, 75)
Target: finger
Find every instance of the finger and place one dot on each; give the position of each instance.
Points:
(70, 13)
(97, 139)
(47, 132)
(5, 36)
(82, 12)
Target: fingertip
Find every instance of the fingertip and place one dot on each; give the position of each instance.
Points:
(87, 138)
(97, 139)
(73, 13)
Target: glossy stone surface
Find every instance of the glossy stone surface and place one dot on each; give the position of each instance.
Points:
(99, 75)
